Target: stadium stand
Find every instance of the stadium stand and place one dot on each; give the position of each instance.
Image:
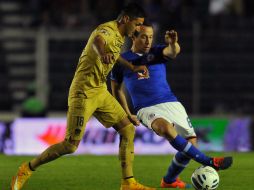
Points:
(213, 73)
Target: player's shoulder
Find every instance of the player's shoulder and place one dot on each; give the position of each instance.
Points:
(157, 48)
(126, 54)
(129, 55)
(110, 26)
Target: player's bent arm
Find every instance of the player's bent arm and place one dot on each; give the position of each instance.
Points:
(133, 68)
(99, 46)
(118, 93)
(173, 48)
(125, 63)
(171, 51)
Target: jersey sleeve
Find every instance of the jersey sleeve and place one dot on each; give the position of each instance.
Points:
(105, 32)
(158, 51)
(117, 73)
(154, 56)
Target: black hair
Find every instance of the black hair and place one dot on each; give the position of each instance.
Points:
(133, 10)
(146, 23)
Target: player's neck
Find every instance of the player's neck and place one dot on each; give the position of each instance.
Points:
(134, 50)
(120, 28)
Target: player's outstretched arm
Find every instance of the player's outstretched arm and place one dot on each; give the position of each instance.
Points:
(118, 93)
(173, 48)
(135, 68)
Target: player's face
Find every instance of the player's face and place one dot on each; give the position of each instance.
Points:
(143, 42)
(133, 25)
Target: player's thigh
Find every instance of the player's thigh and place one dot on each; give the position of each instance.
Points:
(148, 115)
(177, 114)
(164, 128)
(79, 112)
(110, 112)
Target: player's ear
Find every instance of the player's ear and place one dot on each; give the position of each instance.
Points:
(125, 19)
(133, 37)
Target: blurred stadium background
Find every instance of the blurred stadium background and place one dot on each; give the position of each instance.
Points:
(41, 41)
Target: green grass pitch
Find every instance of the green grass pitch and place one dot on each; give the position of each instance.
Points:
(87, 172)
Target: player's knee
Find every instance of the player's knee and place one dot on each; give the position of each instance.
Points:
(127, 132)
(167, 131)
(70, 147)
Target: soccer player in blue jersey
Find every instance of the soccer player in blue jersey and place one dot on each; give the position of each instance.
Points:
(156, 105)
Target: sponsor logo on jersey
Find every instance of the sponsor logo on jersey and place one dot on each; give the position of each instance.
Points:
(150, 57)
(104, 31)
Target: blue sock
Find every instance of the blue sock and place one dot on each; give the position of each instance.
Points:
(178, 164)
(182, 145)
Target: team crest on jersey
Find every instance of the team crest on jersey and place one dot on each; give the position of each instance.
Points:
(104, 31)
(141, 76)
(150, 57)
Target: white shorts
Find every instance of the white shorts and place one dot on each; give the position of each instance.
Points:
(173, 112)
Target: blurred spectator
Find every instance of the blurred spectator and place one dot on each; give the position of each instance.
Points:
(86, 15)
(218, 10)
(153, 7)
(32, 106)
(163, 13)
(171, 11)
(201, 12)
(39, 9)
(237, 7)
(248, 6)
(105, 10)
(57, 13)
(219, 7)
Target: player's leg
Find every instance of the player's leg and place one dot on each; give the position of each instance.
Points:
(112, 114)
(78, 114)
(51, 153)
(178, 164)
(74, 132)
(152, 117)
(126, 131)
(177, 114)
(180, 160)
(165, 129)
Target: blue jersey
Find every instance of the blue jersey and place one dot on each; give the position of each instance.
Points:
(145, 92)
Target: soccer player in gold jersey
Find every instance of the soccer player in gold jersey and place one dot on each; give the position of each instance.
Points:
(88, 96)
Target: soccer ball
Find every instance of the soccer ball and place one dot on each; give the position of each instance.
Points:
(205, 178)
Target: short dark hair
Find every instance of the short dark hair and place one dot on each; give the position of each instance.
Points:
(133, 10)
(146, 23)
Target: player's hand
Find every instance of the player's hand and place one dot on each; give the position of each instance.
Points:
(142, 71)
(171, 37)
(107, 58)
(134, 120)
